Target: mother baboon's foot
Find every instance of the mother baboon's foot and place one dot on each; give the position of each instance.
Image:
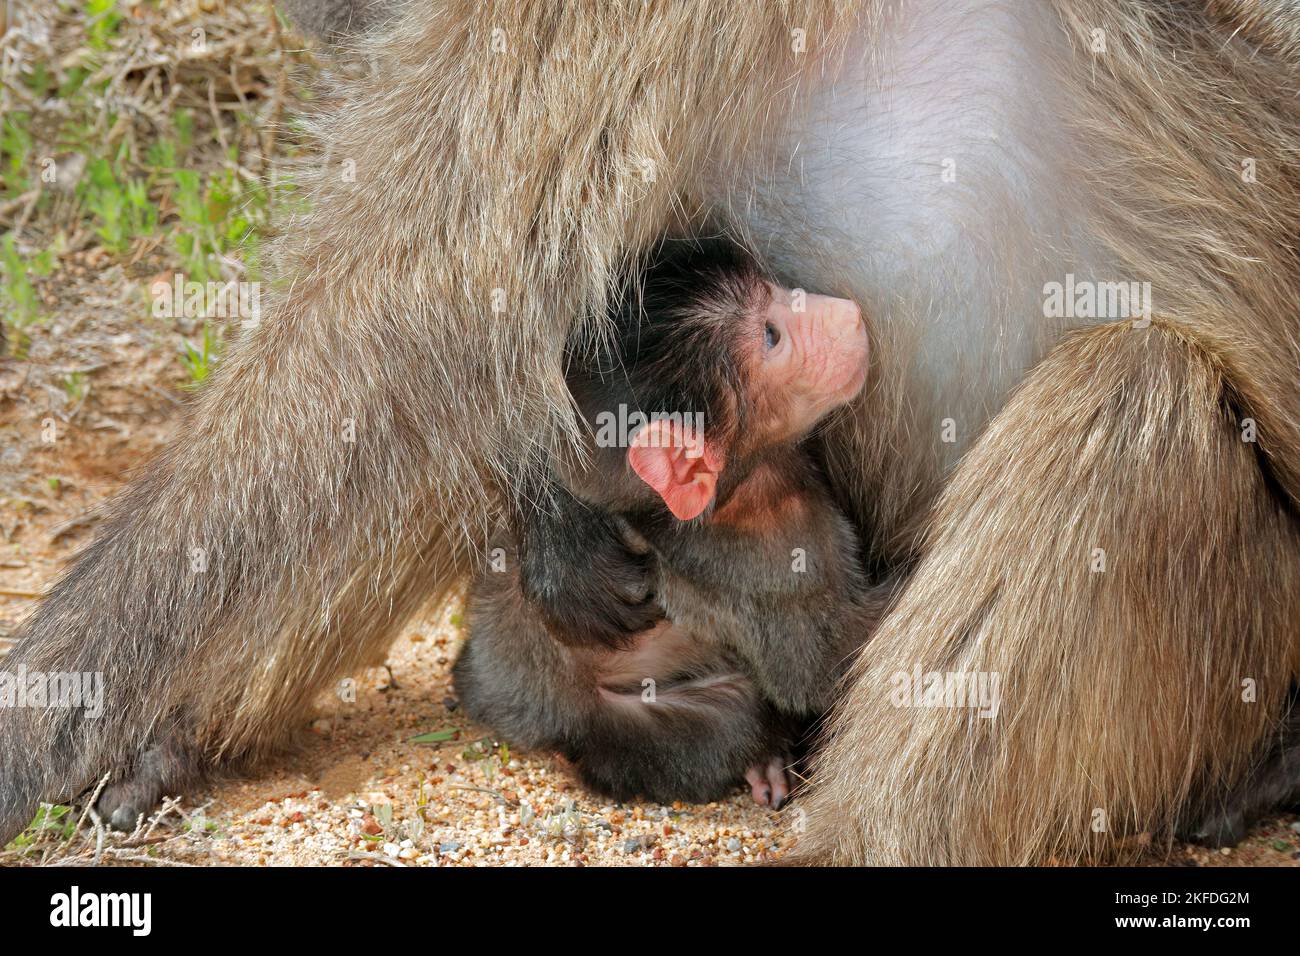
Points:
(164, 768)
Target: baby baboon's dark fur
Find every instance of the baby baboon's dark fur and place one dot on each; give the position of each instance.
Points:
(756, 637)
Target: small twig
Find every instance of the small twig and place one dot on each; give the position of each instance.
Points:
(99, 788)
(277, 101)
(234, 84)
(18, 201)
(99, 836)
(218, 127)
(135, 844)
(153, 389)
(168, 805)
(83, 369)
(27, 212)
(141, 858)
(374, 858)
(11, 592)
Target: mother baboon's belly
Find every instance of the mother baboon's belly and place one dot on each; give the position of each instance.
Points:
(930, 181)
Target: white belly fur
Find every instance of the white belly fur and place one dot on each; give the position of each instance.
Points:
(853, 199)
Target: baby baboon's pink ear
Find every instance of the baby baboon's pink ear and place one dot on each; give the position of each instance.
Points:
(678, 464)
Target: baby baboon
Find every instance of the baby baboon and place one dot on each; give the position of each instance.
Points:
(698, 410)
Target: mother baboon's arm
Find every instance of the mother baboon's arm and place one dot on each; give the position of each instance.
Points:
(480, 188)
(1091, 550)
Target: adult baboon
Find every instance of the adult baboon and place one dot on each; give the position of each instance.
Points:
(1099, 508)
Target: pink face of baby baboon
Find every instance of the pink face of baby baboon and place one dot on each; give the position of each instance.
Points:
(807, 356)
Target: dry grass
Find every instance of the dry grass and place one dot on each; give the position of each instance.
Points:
(113, 84)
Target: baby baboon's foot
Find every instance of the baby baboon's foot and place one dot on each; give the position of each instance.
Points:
(768, 783)
(164, 768)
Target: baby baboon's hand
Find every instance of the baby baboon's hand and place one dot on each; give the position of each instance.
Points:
(589, 585)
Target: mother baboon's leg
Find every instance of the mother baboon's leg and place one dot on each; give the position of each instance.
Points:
(1112, 550)
(486, 182)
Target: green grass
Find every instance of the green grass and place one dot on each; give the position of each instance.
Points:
(23, 306)
(15, 154)
(74, 385)
(103, 20)
(173, 189)
(120, 204)
(200, 361)
(56, 819)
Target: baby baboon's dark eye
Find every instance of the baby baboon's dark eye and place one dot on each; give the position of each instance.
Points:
(770, 335)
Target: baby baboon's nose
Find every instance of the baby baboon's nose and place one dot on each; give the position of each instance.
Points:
(839, 317)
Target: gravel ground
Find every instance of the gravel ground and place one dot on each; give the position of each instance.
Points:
(361, 789)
